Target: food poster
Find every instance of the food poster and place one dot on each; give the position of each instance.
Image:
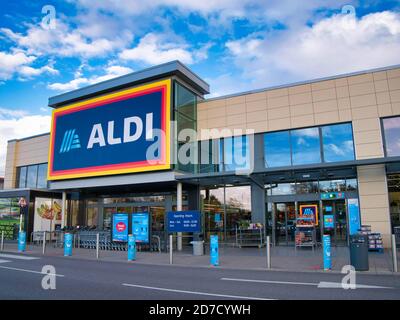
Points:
(47, 214)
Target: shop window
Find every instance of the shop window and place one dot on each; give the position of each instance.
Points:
(9, 217)
(277, 149)
(307, 187)
(351, 185)
(209, 156)
(305, 146)
(391, 129)
(332, 186)
(338, 142)
(185, 111)
(236, 153)
(283, 189)
(33, 176)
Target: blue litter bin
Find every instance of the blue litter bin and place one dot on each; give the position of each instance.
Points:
(68, 237)
(21, 241)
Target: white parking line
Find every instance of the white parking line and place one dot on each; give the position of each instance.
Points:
(18, 257)
(32, 271)
(4, 261)
(195, 293)
(320, 285)
(272, 282)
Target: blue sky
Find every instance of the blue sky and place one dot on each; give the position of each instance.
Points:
(235, 45)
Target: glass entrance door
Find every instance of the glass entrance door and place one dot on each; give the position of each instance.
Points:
(285, 222)
(335, 210)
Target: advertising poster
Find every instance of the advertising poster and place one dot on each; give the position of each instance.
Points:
(140, 226)
(47, 214)
(120, 227)
(329, 221)
(354, 216)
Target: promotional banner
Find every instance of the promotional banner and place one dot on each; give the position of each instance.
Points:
(47, 214)
(141, 226)
(122, 132)
(354, 216)
(214, 252)
(184, 221)
(120, 227)
(327, 252)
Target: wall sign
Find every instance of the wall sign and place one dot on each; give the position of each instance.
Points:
(112, 134)
(309, 211)
(140, 226)
(120, 227)
(332, 195)
(184, 221)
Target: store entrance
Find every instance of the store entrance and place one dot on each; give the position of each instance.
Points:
(285, 223)
(335, 220)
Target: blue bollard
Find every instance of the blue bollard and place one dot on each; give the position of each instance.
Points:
(214, 254)
(131, 247)
(327, 252)
(21, 241)
(68, 244)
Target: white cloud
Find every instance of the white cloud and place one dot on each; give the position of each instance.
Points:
(10, 63)
(16, 124)
(65, 40)
(79, 81)
(335, 45)
(156, 49)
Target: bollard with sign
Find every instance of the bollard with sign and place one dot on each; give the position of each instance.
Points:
(68, 238)
(21, 241)
(131, 247)
(214, 254)
(327, 252)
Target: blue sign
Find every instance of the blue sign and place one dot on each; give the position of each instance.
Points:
(131, 247)
(184, 221)
(328, 209)
(329, 222)
(214, 252)
(327, 252)
(120, 227)
(217, 217)
(140, 226)
(21, 241)
(68, 244)
(354, 216)
(96, 136)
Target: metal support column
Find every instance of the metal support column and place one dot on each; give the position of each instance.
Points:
(63, 206)
(179, 208)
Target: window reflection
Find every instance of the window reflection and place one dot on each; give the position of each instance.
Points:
(236, 153)
(332, 186)
(305, 146)
(284, 189)
(338, 142)
(33, 176)
(391, 127)
(277, 149)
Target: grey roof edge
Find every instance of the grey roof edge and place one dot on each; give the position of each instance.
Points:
(293, 84)
(141, 76)
(30, 137)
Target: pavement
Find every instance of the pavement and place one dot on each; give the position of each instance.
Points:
(282, 258)
(22, 277)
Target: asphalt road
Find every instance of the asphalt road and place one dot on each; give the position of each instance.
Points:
(21, 278)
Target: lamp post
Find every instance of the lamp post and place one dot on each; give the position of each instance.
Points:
(22, 205)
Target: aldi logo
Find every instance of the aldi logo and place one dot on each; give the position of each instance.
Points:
(70, 141)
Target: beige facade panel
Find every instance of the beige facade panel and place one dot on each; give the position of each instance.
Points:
(279, 124)
(300, 98)
(362, 89)
(259, 105)
(326, 117)
(381, 85)
(277, 93)
(299, 89)
(256, 96)
(345, 115)
(363, 100)
(393, 73)
(256, 116)
(322, 85)
(374, 203)
(368, 150)
(325, 106)
(383, 97)
(395, 96)
(365, 112)
(278, 102)
(385, 110)
(278, 113)
(342, 92)
(380, 75)
(360, 79)
(322, 95)
(303, 121)
(301, 109)
(396, 108)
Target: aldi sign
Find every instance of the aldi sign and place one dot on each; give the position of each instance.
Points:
(122, 132)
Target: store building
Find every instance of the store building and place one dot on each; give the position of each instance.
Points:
(332, 145)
